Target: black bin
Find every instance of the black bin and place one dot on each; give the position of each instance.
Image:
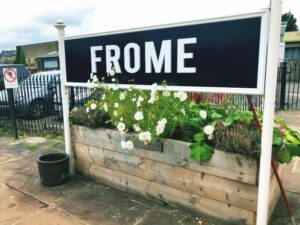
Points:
(53, 168)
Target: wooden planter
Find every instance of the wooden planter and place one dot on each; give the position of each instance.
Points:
(224, 187)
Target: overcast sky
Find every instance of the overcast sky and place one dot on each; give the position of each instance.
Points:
(31, 21)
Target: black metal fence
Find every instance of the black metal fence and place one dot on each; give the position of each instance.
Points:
(38, 100)
(288, 89)
(37, 105)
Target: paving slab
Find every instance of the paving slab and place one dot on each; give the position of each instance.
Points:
(107, 206)
(15, 206)
(280, 215)
(51, 217)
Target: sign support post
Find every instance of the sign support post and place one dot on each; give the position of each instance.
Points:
(10, 95)
(60, 26)
(268, 114)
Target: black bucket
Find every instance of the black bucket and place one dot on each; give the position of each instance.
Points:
(53, 168)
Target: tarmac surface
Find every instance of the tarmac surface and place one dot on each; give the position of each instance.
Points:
(24, 201)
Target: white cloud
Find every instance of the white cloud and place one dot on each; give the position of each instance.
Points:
(32, 21)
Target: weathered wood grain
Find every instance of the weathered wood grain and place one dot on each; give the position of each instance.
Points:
(210, 186)
(152, 189)
(232, 166)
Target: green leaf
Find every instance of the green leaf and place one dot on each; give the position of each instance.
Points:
(201, 152)
(292, 139)
(216, 115)
(285, 155)
(199, 137)
(293, 148)
(228, 122)
(195, 120)
(277, 137)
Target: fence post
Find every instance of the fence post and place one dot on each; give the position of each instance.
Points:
(283, 85)
(10, 94)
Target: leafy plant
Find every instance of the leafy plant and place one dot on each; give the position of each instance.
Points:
(163, 114)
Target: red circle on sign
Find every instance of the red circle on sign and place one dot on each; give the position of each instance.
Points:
(10, 75)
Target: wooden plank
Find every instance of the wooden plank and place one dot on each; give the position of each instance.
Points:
(291, 182)
(222, 164)
(210, 186)
(82, 158)
(152, 189)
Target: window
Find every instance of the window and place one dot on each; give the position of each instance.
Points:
(50, 63)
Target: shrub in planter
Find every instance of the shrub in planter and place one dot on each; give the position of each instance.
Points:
(162, 114)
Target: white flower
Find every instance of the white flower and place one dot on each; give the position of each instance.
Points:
(103, 78)
(116, 105)
(166, 93)
(95, 79)
(113, 79)
(145, 137)
(208, 130)
(140, 99)
(136, 128)
(210, 137)
(93, 106)
(138, 115)
(115, 113)
(87, 109)
(183, 111)
(112, 72)
(203, 114)
(122, 96)
(160, 127)
(153, 96)
(138, 104)
(164, 120)
(121, 127)
(103, 97)
(121, 119)
(105, 107)
(152, 99)
(154, 87)
(127, 145)
(181, 95)
(123, 144)
(133, 99)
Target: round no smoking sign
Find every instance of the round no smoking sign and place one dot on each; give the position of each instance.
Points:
(10, 77)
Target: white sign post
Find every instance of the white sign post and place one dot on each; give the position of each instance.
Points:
(268, 114)
(10, 78)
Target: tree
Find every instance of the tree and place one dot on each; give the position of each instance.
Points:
(291, 21)
(21, 58)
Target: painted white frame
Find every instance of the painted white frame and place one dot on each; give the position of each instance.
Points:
(264, 14)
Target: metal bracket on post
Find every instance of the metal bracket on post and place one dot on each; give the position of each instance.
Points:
(65, 92)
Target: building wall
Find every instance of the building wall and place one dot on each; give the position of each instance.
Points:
(33, 51)
(8, 59)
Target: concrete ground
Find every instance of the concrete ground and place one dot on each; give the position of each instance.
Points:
(24, 201)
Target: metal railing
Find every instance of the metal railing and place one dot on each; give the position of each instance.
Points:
(38, 105)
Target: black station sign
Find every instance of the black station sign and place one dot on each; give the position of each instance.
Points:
(224, 56)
